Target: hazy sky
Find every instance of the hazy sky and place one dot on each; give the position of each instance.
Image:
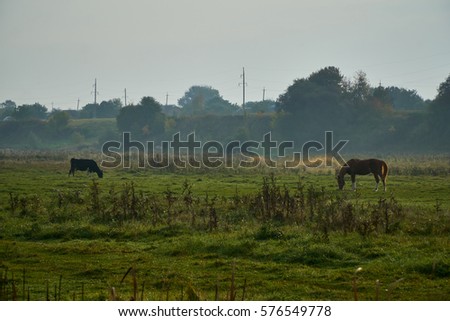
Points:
(52, 50)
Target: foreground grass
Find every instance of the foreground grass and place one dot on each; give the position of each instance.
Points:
(296, 266)
(49, 251)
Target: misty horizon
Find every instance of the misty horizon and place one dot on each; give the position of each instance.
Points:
(55, 50)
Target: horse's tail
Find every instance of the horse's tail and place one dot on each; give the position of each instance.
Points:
(384, 170)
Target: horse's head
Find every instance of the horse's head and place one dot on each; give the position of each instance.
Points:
(341, 181)
(340, 177)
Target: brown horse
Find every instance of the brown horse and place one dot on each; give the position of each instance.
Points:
(354, 167)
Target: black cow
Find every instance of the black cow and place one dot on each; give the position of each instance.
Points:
(84, 165)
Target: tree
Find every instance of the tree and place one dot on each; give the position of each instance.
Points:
(58, 121)
(265, 106)
(201, 100)
(322, 91)
(109, 109)
(204, 92)
(8, 104)
(29, 112)
(440, 114)
(143, 120)
(314, 104)
(7, 108)
(405, 99)
(381, 99)
(220, 106)
(328, 77)
(443, 95)
(106, 109)
(89, 111)
(360, 90)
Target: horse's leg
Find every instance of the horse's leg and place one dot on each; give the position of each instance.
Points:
(383, 179)
(353, 181)
(377, 179)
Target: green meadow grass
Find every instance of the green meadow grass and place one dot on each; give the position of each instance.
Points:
(54, 245)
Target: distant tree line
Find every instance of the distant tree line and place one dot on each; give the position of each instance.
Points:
(368, 116)
(371, 117)
(322, 89)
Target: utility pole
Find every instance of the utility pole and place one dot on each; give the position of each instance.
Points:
(78, 103)
(94, 113)
(244, 84)
(95, 92)
(125, 98)
(264, 93)
(167, 99)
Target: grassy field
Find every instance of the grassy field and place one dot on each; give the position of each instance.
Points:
(224, 234)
